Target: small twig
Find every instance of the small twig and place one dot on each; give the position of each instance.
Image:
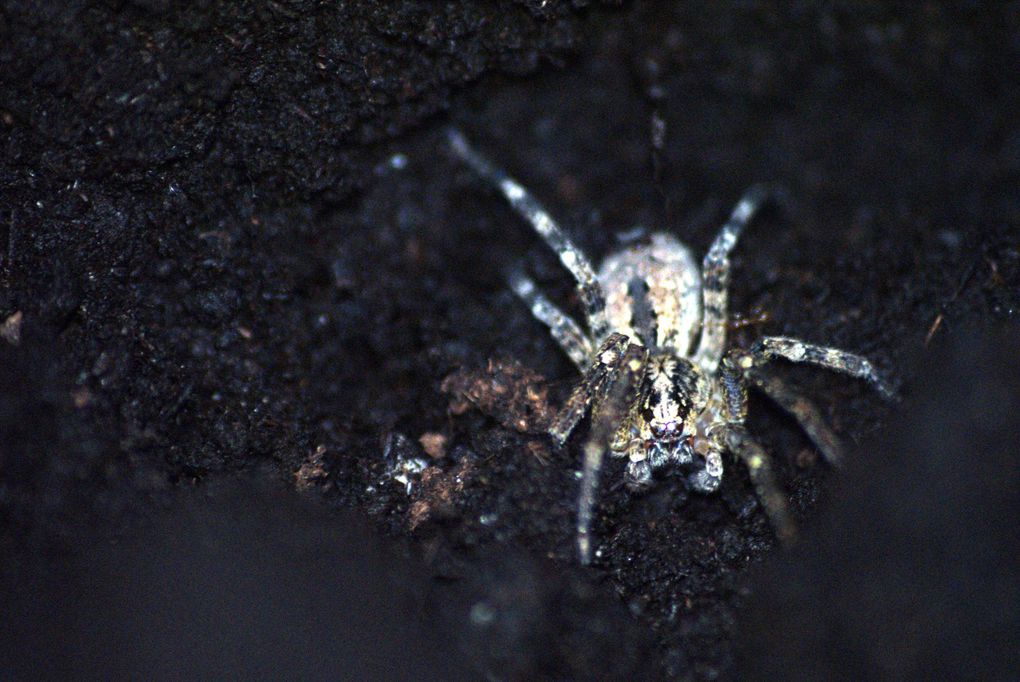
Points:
(934, 328)
(964, 281)
(997, 280)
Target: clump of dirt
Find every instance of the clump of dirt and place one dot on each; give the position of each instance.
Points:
(438, 493)
(507, 391)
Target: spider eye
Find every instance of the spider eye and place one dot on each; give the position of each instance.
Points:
(665, 429)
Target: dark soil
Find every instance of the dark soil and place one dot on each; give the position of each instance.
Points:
(237, 265)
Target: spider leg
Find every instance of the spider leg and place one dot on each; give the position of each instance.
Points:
(563, 329)
(620, 392)
(804, 411)
(740, 442)
(734, 437)
(592, 384)
(715, 274)
(528, 207)
(770, 347)
(708, 478)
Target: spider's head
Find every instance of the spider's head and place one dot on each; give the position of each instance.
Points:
(676, 395)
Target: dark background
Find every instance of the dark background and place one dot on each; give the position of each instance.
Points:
(244, 264)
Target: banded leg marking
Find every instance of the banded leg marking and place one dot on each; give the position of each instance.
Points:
(613, 405)
(834, 359)
(735, 438)
(715, 274)
(563, 329)
(592, 297)
(591, 385)
(806, 414)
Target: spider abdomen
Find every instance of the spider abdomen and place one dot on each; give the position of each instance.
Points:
(653, 293)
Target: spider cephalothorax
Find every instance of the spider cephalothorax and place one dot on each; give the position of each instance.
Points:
(656, 375)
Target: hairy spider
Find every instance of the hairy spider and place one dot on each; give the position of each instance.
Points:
(656, 375)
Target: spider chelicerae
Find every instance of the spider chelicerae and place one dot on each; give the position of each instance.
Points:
(662, 388)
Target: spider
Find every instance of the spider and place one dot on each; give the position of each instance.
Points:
(662, 389)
